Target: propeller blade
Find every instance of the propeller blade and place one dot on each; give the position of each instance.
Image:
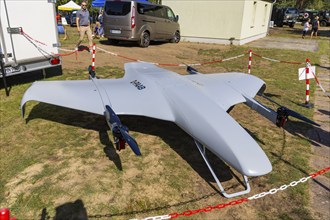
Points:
(115, 123)
(130, 141)
(299, 116)
(113, 118)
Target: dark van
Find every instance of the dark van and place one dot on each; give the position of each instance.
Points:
(324, 18)
(285, 16)
(139, 21)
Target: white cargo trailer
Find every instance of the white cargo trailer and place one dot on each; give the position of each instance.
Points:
(28, 36)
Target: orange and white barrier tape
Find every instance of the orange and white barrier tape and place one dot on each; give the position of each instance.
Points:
(278, 61)
(319, 84)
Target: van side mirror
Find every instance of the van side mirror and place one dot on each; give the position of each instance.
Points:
(177, 18)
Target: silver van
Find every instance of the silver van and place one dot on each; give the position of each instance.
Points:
(139, 21)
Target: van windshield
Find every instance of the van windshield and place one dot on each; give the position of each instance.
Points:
(117, 8)
(292, 11)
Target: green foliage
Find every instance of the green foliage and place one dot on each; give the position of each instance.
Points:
(156, 1)
(304, 4)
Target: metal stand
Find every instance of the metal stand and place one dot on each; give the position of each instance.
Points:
(3, 73)
(201, 149)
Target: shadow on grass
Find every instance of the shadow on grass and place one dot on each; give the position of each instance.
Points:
(175, 137)
(130, 43)
(70, 210)
(325, 112)
(313, 134)
(279, 158)
(323, 67)
(109, 149)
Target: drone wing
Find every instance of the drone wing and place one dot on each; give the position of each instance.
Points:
(130, 95)
(78, 94)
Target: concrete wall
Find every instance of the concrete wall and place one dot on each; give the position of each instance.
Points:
(217, 21)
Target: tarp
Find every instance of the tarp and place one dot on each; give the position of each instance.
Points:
(100, 3)
(71, 5)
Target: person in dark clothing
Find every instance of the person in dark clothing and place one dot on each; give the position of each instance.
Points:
(315, 26)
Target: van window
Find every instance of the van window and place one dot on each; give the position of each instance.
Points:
(145, 9)
(117, 8)
(152, 10)
(160, 12)
(170, 14)
(291, 11)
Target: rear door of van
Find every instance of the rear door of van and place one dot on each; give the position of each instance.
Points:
(117, 20)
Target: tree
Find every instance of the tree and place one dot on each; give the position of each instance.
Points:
(304, 4)
(156, 1)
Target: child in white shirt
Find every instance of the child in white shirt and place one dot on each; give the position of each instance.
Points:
(306, 28)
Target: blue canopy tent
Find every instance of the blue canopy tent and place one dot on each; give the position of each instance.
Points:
(100, 3)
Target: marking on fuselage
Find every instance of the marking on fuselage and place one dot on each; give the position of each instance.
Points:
(138, 84)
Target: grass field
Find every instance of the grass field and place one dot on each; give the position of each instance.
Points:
(58, 161)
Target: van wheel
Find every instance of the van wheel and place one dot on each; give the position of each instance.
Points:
(323, 23)
(145, 40)
(176, 38)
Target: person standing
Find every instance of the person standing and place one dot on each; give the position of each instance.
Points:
(83, 25)
(100, 18)
(315, 26)
(306, 28)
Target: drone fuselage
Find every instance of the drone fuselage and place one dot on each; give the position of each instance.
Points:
(201, 112)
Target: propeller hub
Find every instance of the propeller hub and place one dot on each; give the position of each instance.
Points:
(282, 116)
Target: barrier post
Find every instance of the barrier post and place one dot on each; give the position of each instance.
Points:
(4, 214)
(250, 61)
(307, 104)
(93, 58)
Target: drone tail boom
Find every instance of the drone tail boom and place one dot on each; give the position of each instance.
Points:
(279, 117)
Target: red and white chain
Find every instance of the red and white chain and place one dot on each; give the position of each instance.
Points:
(239, 201)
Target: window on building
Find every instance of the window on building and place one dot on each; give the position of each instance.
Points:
(265, 15)
(254, 12)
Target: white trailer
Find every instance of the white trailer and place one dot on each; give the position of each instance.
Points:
(28, 36)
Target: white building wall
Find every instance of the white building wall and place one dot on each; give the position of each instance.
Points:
(219, 21)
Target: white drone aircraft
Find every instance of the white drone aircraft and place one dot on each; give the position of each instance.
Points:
(197, 103)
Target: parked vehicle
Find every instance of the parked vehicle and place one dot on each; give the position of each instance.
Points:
(285, 16)
(73, 16)
(324, 18)
(305, 14)
(28, 41)
(139, 21)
